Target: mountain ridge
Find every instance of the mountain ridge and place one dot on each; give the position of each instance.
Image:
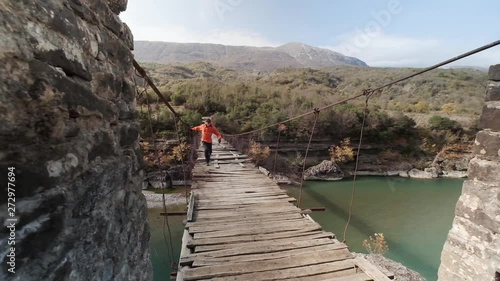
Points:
(293, 54)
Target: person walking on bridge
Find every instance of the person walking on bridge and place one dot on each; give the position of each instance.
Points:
(207, 130)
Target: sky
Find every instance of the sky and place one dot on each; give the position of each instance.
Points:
(384, 33)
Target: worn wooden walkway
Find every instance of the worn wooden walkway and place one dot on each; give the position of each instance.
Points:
(242, 226)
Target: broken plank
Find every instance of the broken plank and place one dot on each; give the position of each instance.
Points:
(310, 236)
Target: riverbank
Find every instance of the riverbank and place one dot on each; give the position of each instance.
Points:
(155, 200)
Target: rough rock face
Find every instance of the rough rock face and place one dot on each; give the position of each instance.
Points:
(472, 250)
(67, 103)
(326, 170)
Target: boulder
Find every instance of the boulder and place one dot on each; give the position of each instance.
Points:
(327, 170)
(428, 173)
(403, 174)
(454, 174)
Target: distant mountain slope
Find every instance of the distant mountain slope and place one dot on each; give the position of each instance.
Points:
(241, 57)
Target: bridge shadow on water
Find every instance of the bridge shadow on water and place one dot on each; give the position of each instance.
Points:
(363, 227)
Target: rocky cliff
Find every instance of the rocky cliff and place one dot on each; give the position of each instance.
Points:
(472, 249)
(70, 138)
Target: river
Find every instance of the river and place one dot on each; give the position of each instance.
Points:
(414, 215)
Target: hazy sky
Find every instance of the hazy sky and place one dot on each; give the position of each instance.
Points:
(380, 32)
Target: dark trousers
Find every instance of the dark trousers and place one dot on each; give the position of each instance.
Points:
(208, 150)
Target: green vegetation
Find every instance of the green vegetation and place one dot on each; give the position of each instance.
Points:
(240, 101)
(443, 123)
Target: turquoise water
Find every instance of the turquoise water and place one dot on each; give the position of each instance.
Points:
(414, 215)
(159, 248)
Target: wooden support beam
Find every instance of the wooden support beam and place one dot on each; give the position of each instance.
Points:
(370, 269)
(318, 209)
(191, 207)
(168, 214)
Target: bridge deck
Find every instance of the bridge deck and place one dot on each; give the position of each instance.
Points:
(242, 226)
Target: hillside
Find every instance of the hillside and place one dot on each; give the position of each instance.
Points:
(456, 93)
(241, 57)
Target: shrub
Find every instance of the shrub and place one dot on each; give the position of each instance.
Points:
(443, 123)
(180, 152)
(449, 108)
(342, 153)
(258, 153)
(377, 245)
(178, 99)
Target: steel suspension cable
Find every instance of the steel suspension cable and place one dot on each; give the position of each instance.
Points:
(316, 115)
(148, 80)
(182, 159)
(276, 150)
(365, 113)
(459, 57)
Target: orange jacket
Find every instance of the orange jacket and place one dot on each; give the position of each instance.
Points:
(206, 132)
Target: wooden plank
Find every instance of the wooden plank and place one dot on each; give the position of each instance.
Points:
(249, 238)
(218, 217)
(244, 212)
(230, 221)
(355, 277)
(262, 248)
(229, 208)
(305, 273)
(264, 199)
(370, 269)
(260, 266)
(241, 224)
(331, 248)
(240, 193)
(254, 207)
(254, 230)
(243, 200)
(233, 245)
(242, 165)
(223, 157)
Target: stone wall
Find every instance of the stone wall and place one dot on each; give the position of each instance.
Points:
(472, 250)
(68, 126)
